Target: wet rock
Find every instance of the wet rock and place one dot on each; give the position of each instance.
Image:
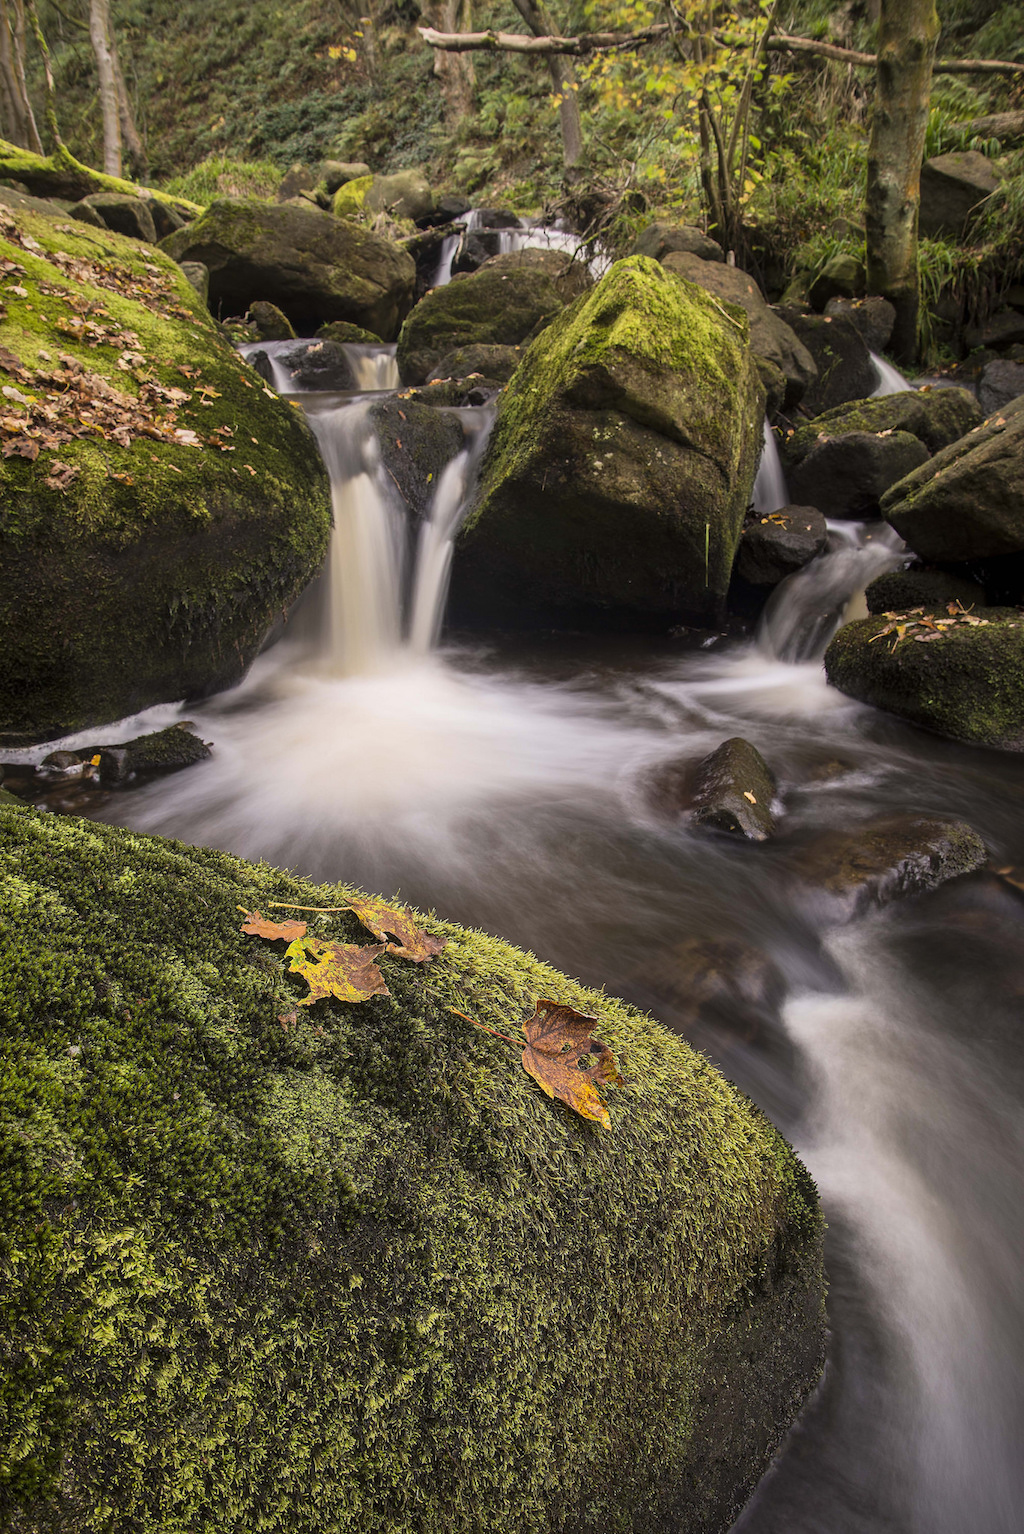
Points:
(770, 335)
(115, 766)
(491, 308)
(621, 463)
(937, 417)
(964, 683)
(124, 215)
(337, 173)
(63, 761)
(165, 218)
(476, 247)
(966, 502)
(659, 240)
(406, 194)
(842, 277)
(933, 590)
(844, 367)
(344, 334)
(720, 983)
(952, 186)
(312, 266)
(454, 393)
(270, 324)
(774, 382)
(733, 791)
(848, 475)
(1000, 383)
(416, 442)
(777, 545)
(570, 276)
(888, 859)
(1002, 329)
(322, 365)
(496, 362)
(297, 180)
(260, 363)
(873, 317)
(198, 276)
(451, 206)
(165, 750)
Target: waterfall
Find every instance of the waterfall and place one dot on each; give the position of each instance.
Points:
(437, 534)
(890, 381)
(770, 493)
(805, 610)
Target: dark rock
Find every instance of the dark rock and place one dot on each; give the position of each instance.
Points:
(621, 463)
(198, 276)
(165, 218)
(260, 363)
(318, 365)
(500, 308)
(966, 502)
(270, 323)
(722, 983)
(965, 684)
(297, 180)
(496, 362)
(165, 750)
(775, 384)
(733, 791)
(1004, 328)
(313, 266)
(570, 276)
(845, 370)
(497, 218)
(63, 761)
(338, 173)
(416, 442)
(476, 247)
(115, 767)
(888, 859)
(933, 590)
(778, 545)
(453, 393)
(847, 476)
(124, 215)
(873, 317)
(1000, 383)
(842, 277)
(770, 336)
(659, 240)
(10, 197)
(450, 206)
(937, 417)
(406, 194)
(345, 334)
(952, 186)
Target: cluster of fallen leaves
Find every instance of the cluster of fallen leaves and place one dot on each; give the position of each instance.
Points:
(557, 1048)
(922, 626)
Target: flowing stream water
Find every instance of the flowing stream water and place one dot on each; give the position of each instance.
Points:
(515, 786)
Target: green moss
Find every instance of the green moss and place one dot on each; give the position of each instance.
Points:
(356, 1271)
(937, 417)
(348, 200)
(488, 307)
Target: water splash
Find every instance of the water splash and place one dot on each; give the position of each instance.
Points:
(770, 492)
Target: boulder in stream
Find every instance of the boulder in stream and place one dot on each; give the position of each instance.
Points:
(313, 266)
(733, 791)
(621, 463)
(497, 362)
(660, 239)
(779, 543)
(484, 308)
(847, 475)
(932, 590)
(887, 859)
(318, 365)
(844, 369)
(570, 275)
(330, 1253)
(416, 442)
(936, 417)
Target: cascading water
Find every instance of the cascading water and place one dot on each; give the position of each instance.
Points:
(769, 493)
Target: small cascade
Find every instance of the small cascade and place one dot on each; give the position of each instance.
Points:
(437, 534)
(374, 368)
(805, 610)
(890, 381)
(524, 237)
(770, 492)
(450, 249)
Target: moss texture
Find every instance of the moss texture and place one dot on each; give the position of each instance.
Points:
(621, 464)
(968, 685)
(500, 308)
(159, 571)
(354, 1271)
(937, 417)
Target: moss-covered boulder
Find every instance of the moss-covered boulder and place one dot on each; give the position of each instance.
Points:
(491, 308)
(571, 276)
(936, 417)
(849, 870)
(498, 362)
(313, 266)
(283, 1268)
(621, 464)
(931, 590)
(847, 475)
(966, 502)
(965, 681)
(158, 508)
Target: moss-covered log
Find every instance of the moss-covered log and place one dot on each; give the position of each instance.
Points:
(289, 1269)
(61, 175)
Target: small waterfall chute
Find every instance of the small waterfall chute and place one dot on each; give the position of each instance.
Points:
(770, 492)
(806, 608)
(890, 379)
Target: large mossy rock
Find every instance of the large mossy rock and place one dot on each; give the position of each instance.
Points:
(936, 417)
(493, 308)
(621, 464)
(966, 685)
(966, 502)
(145, 558)
(347, 1267)
(313, 266)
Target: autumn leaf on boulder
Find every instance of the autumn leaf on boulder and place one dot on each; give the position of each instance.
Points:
(262, 926)
(343, 970)
(381, 918)
(563, 1059)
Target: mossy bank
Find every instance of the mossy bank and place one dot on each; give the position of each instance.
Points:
(146, 554)
(277, 1268)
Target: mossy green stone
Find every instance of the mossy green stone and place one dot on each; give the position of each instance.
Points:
(349, 199)
(499, 308)
(346, 1267)
(158, 572)
(937, 417)
(621, 463)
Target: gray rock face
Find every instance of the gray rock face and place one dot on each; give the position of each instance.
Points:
(660, 239)
(199, 277)
(937, 417)
(873, 317)
(570, 276)
(842, 277)
(297, 180)
(778, 545)
(844, 367)
(952, 186)
(337, 173)
(165, 219)
(125, 215)
(406, 194)
(491, 308)
(770, 336)
(733, 792)
(847, 476)
(887, 859)
(318, 365)
(313, 266)
(497, 362)
(966, 503)
(416, 442)
(1000, 383)
(932, 590)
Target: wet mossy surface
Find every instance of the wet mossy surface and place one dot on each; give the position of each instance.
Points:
(268, 1267)
(937, 417)
(157, 573)
(493, 308)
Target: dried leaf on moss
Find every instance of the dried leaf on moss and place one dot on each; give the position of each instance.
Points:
(381, 919)
(262, 926)
(343, 970)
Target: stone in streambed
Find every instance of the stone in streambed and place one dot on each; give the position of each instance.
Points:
(887, 859)
(620, 466)
(318, 365)
(270, 323)
(843, 363)
(416, 442)
(779, 544)
(1000, 382)
(733, 791)
(570, 276)
(491, 308)
(848, 475)
(347, 334)
(497, 362)
(936, 417)
(932, 590)
(873, 317)
(323, 1258)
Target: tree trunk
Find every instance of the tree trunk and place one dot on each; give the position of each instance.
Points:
(908, 33)
(17, 119)
(454, 70)
(563, 77)
(135, 149)
(99, 33)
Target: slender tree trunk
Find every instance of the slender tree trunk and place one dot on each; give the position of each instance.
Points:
(99, 33)
(16, 115)
(454, 70)
(134, 148)
(563, 77)
(908, 33)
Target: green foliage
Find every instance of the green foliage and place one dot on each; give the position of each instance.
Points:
(224, 177)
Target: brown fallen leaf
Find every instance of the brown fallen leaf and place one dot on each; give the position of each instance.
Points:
(61, 475)
(563, 1059)
(381, 918)
(260, 926)
(343, 970)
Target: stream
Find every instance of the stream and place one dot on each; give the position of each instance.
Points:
(514, 785)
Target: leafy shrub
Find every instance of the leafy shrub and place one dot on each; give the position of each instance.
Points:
(222, 177)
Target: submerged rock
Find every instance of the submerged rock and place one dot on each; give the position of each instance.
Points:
(330, 1254)
(964, 682)
(313, 266)
(486, 308)
(621, 463)
(733, 791)
(887, 859)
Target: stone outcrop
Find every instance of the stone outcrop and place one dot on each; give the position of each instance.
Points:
(491, 308)
(952, 186)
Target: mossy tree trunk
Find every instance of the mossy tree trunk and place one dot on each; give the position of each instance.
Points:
(17, 120)
(908, 33)
(563, 77)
